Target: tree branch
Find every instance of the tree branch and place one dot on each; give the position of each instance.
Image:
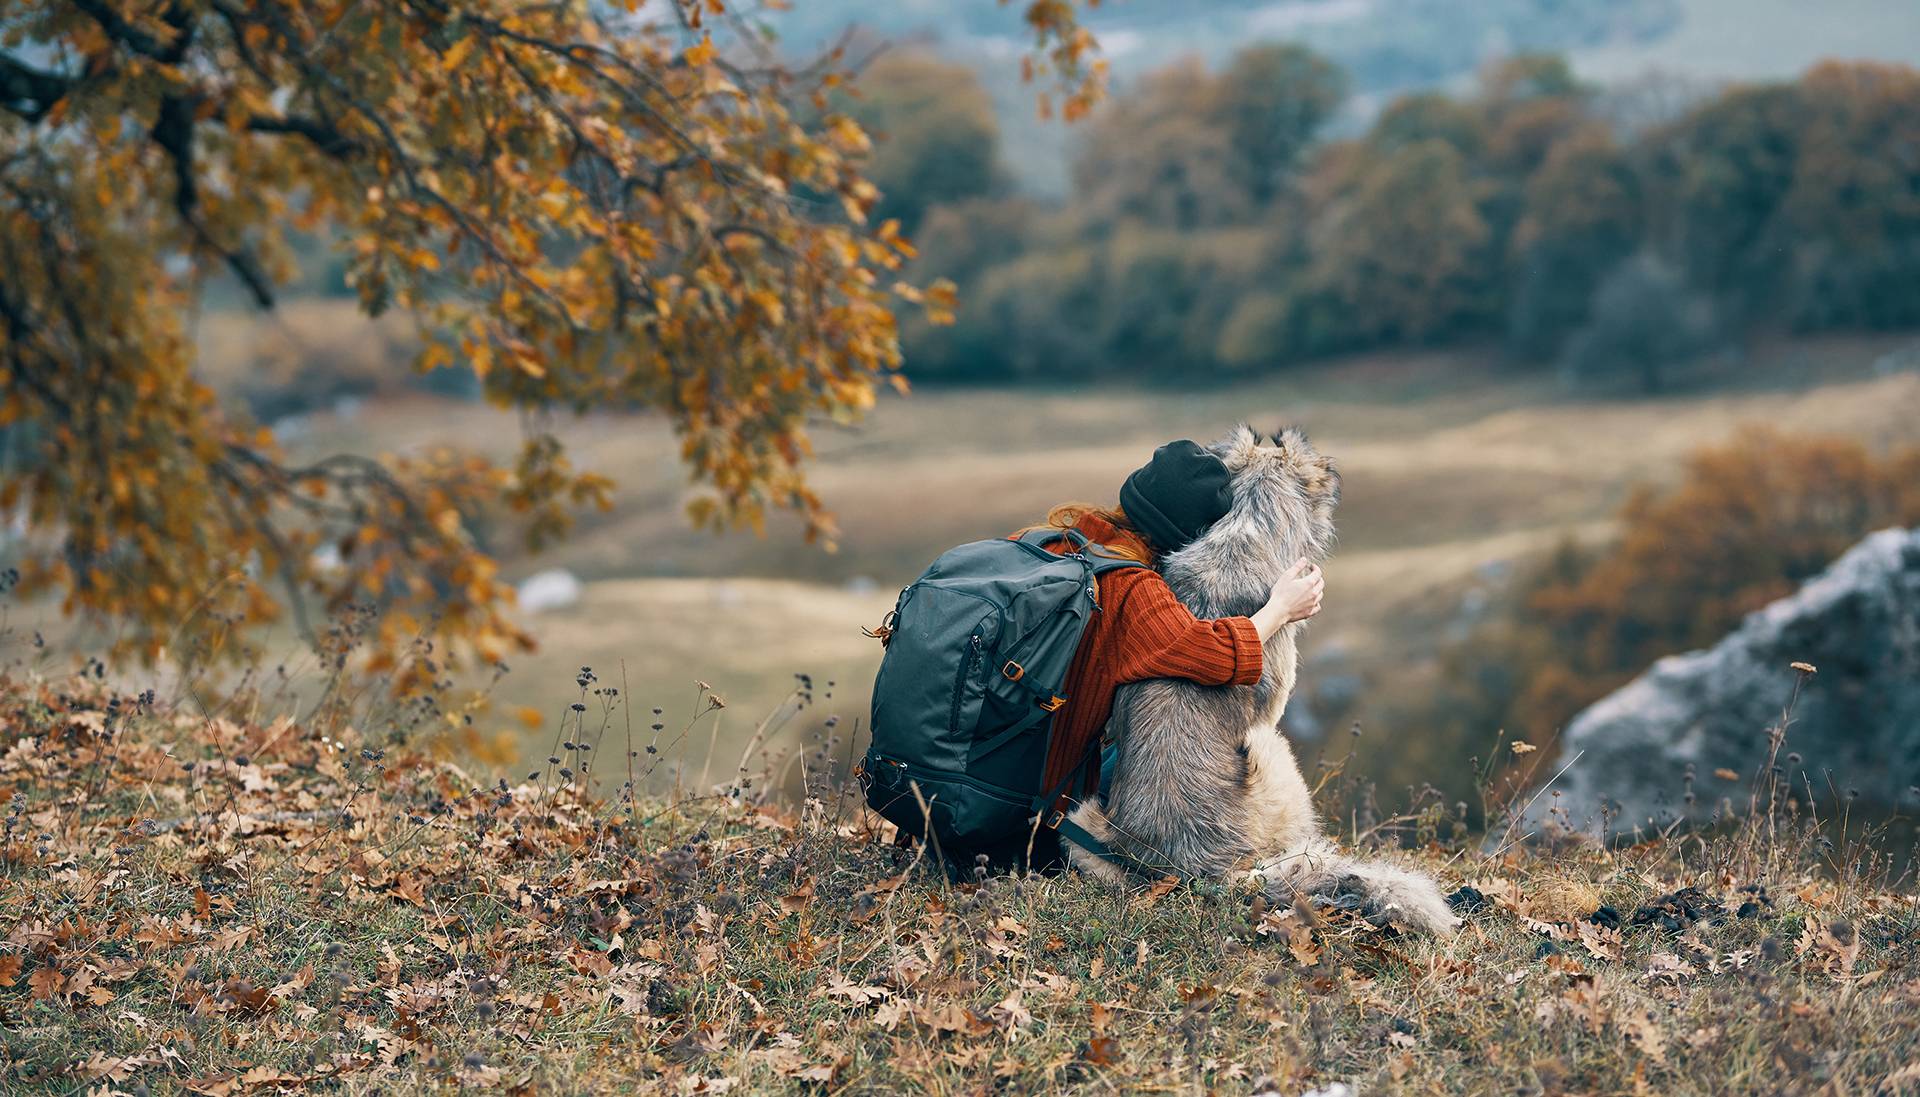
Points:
(317, 133)
(173, 131)
(135, 39)
(21, 83)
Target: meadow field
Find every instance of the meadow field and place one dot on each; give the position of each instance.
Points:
(1454, 467)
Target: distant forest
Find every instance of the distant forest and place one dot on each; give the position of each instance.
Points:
(1214, 228)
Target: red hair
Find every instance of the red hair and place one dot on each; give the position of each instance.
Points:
(1125, 542)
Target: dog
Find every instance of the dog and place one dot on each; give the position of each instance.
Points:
(1204, 781)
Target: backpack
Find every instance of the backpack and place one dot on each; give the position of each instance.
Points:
(976, 653)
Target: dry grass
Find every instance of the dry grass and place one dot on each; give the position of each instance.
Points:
(755, 632)
(210, 903)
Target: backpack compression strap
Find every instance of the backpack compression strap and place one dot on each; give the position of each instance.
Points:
(1042, 708)
(1060, 823)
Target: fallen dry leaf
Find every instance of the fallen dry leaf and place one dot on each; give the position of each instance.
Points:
(798, 899)
(1646, 1034)
(1155, 891)
(854, 993)
(1101, 1051)
(1603, 942)
(1012, 1014)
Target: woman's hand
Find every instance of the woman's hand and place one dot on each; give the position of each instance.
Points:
(1295, 597)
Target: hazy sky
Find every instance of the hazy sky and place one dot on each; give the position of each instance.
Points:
(1740, 39)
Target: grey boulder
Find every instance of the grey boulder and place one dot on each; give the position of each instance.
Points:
(1855, 726)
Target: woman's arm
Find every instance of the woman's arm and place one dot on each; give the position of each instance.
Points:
(1295, 597)
(1159, 637)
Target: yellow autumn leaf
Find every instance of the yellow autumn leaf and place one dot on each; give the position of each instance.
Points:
(457, 54)
(700, 53)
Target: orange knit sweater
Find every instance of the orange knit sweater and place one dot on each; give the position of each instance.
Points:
(1141, 631)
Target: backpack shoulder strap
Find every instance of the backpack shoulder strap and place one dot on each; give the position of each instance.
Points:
(1041, 536)
(1103, 563)
(1097, 556)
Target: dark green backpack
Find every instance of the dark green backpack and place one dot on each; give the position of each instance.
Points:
(977, 650)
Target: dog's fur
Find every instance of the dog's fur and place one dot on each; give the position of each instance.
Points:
(1205, 781)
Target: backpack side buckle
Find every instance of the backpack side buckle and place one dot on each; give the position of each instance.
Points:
(1053, 704)
(884, 633)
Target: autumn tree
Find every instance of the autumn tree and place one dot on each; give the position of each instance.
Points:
(1527, 106)
(961, 242)
(1528, 78)
(1193, 148)
(1400, 252)
(1721, 174)
(1430, 115)
(1642, 321)
(1580, 216)
(1272, 102)
(1853, 210)
(1152, 156)
(589, 206)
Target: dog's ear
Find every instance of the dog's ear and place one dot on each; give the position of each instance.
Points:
(1237, 447)
(1291, 435)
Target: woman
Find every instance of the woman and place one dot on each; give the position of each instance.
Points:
(1142, 631)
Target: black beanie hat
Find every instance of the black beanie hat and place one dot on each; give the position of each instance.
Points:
(1177, 495)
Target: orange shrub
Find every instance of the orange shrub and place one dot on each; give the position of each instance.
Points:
(1751, 521)
(1748, 522)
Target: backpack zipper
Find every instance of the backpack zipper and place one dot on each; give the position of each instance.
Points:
(998, 792)
(960, 681)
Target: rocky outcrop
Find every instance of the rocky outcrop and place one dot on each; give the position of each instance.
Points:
(1856, 723)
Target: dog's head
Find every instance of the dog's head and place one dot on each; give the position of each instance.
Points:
(1284, 493)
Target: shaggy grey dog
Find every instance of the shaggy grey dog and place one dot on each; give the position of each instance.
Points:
(1204, 780)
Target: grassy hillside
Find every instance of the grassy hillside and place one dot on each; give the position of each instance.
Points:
(1452, 467)
(231, 903)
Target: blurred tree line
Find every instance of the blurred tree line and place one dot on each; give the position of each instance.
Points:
(1214, 228)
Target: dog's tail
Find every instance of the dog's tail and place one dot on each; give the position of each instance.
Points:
(1379, 889)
